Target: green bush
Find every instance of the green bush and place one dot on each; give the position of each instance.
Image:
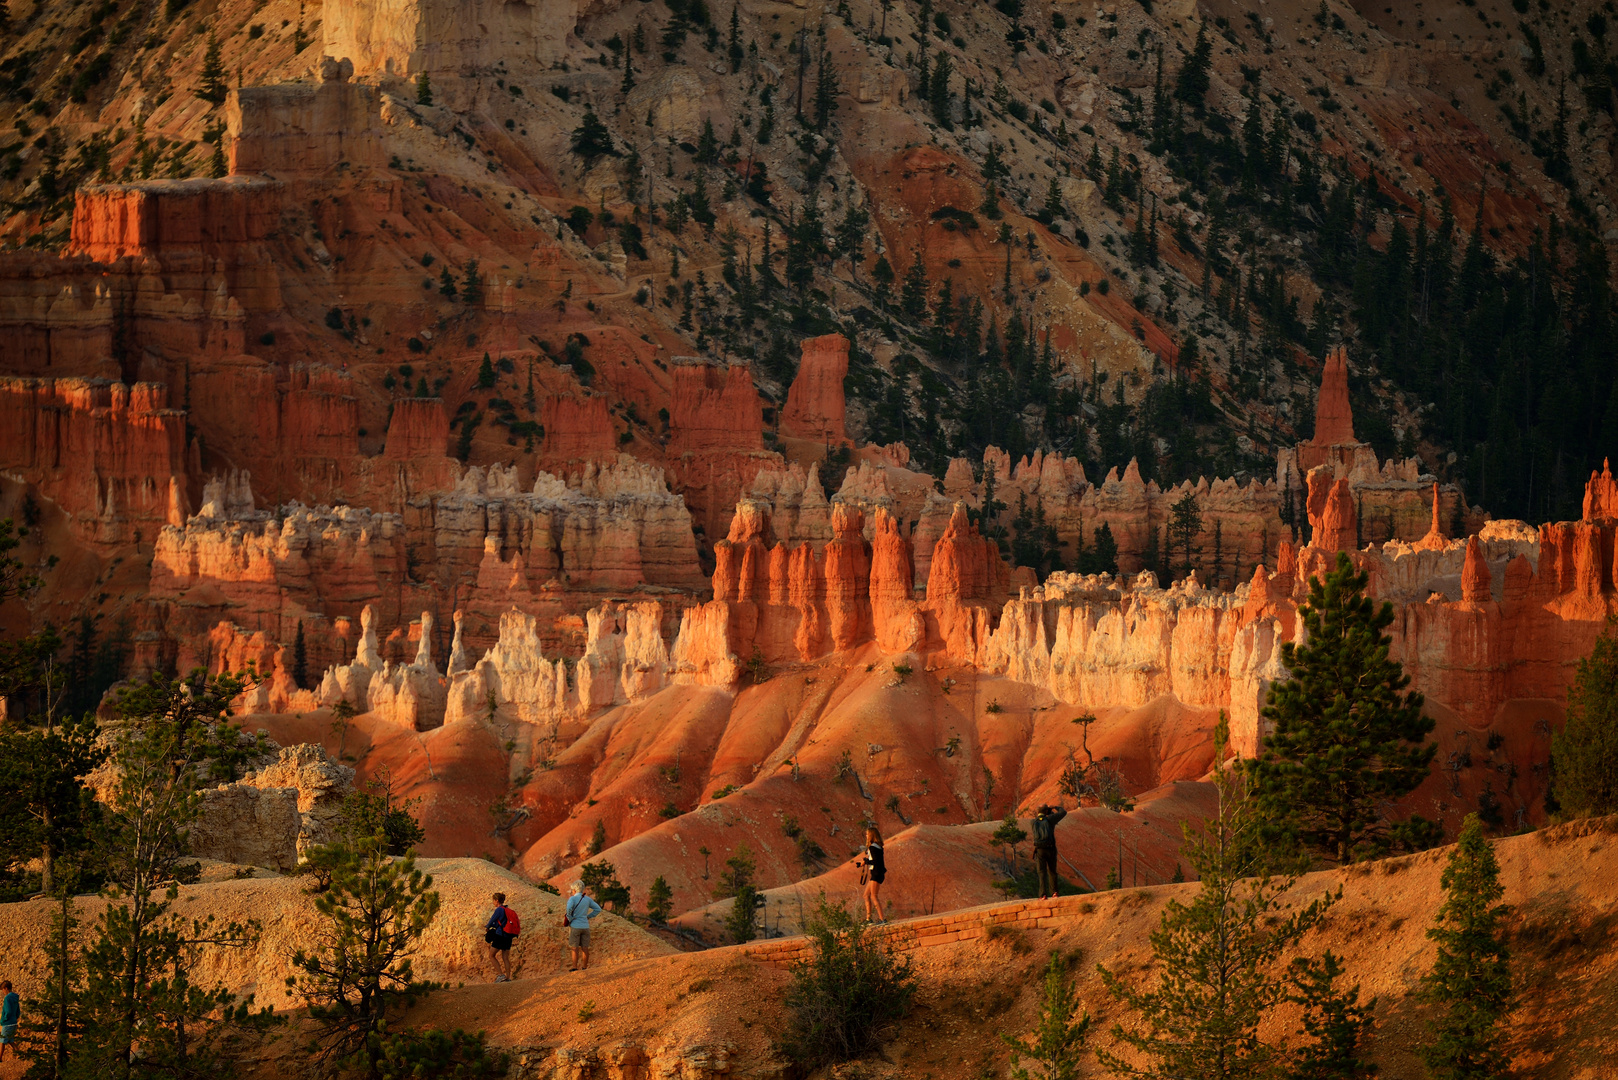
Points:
(845, 997)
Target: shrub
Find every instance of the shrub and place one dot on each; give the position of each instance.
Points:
(844, 998)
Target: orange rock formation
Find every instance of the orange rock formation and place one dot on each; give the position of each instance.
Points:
(815, 404)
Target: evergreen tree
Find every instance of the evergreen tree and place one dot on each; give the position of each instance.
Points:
(659, 901)
(1585, 751)
(707, 144)
(300, 657)
(212, 87)
(628, 82)
(218, 166)
(1053, 200)
(1103, 558)
(1057, 1042)
(357, 974)
(1215, 956)
(913, 294)
(1185, 525)
(1008, 835)
(143, 1012)
(485, 373)
(990, 207)
(938, 92)
(472, 287)
(742, 921)
(882, 274)
(1347, 740)
(851, 237)
(993, 167)
(424, 89)
(1470, 980)
(591, 139)
(1334, 1020)
(735, 48)
(1191, 85)
(446, 283)
(52, 815)
(826, 91)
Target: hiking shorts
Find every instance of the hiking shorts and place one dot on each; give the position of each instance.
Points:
(578, 937)
(8, 1034)
(500, 941)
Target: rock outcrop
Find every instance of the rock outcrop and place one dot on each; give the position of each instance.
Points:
(815, 404)
(295, 128)
(288, 803)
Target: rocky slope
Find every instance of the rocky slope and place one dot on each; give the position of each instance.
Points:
(686, 427)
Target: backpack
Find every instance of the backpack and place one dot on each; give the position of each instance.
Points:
(1044, 833)
(513, 924)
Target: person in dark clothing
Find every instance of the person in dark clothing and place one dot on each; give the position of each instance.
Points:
(873, 871)
(1045, 848)
(494, 932)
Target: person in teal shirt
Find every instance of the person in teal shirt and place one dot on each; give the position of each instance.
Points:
(580, 910)
(10, 1011)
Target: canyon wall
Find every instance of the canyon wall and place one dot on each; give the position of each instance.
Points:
(111, 455)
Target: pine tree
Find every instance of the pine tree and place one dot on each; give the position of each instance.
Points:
(628, 83)
(659, 901)
(1347, 740)
(218, 167)
(913, 294)
(446, 283)
(1215, 956)
(357, 974)
(1191, 85)
(707, 144)
(1585, 751)
(1057, 1042)
(300, 658)
(938, 92)
(1009, 835)
(826, 91)
(591, 139)
(990, 207)
(1053, 200)
(424, 89)
(212, 88)
(486, 373)
(1334, 1020)
(1104, 556)
(472, 288)
(1185, 525)
(1470, 980)
(882, 274)
(141, 1000)
(52, 815)
(735, 48)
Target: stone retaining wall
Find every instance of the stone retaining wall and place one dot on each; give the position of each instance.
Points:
(924, 933)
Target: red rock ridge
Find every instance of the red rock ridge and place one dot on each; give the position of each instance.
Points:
(577, 429)
(418, 428)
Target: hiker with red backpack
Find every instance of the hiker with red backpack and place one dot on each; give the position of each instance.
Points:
(500, 931)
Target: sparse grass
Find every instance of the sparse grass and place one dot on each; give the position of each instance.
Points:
(1012, 937)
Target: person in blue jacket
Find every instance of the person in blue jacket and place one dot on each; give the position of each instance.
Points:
(494, 932)
(579, 911)
(10, 1013)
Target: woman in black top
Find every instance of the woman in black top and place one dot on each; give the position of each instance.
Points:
(873, 869)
